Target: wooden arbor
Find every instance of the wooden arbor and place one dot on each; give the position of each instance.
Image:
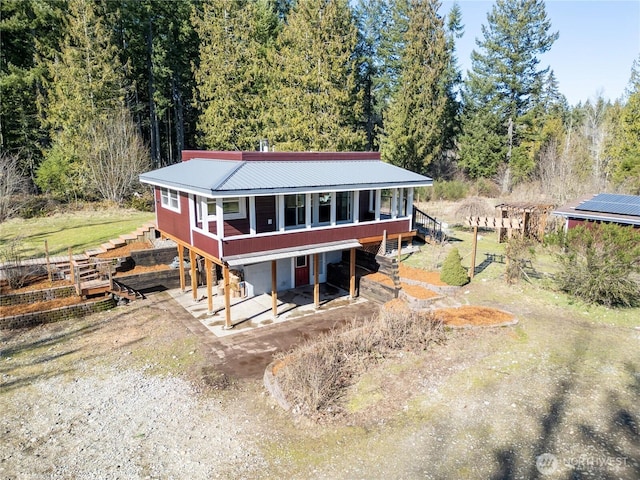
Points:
(533, 218)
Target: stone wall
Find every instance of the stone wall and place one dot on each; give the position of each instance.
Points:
(37, 296)
(154, 256)
(158, 280)
(57, 314)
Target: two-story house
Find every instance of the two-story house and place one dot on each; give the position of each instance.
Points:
(280, 217)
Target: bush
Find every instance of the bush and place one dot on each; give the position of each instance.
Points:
(313, 376)
(449, 190)
(519, 251)
(600, 265)
(453, 273)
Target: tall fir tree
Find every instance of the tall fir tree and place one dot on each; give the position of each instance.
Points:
(158, 44)
(372, 18)
(314, 99)
(85, 86)
(503, 84)
(25, 27)
(232, 73)
(418, 125)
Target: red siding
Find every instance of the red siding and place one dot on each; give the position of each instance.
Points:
(299, 239)
(205, 243)
(278, 156)
(265, 210)
(173, 223)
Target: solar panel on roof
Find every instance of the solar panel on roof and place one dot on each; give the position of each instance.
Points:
(612, 203)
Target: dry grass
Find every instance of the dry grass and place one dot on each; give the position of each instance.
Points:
(314, 375)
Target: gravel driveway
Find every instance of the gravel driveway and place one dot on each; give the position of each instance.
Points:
(133, 393)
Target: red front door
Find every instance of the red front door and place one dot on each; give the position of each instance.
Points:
(302, 271)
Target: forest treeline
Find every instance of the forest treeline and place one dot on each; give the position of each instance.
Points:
(93, 92)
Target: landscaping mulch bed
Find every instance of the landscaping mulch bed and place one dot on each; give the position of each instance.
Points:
(420, 275)
(143, 269)
(21, 309)
(44, 284)
(126, 250)
(470, 316)
(416, 291)
(380, 278)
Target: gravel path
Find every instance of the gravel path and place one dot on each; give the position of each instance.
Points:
(122, 424)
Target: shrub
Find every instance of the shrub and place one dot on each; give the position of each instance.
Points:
(453, 273)
(449, 190)
(600, 265)
(518, 252)
(314, 375)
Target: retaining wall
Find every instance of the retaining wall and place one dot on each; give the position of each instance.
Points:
(153, 281)
(37, 296)
(57, 314)
(154, 256)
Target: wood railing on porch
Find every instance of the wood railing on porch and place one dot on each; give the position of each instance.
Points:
(427, 227)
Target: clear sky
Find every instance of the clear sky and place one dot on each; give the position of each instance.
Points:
(599, 40)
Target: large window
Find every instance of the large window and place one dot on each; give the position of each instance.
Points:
(294, 210)
(324, 207)
(344, 207)
(232, 208)
(169, 199)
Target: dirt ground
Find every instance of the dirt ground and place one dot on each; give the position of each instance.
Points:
(142, 392)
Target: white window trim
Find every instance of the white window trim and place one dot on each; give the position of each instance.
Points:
(227, 216)
(166, 197)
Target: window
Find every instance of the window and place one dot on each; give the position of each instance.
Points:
(169, 199)
(233, 208)
(295, 210)
(343, 206)
(324, 207)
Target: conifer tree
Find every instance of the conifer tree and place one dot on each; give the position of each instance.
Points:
(231, 76)
(314, 101)
(85, 86)
(419, 120)
(503, 84)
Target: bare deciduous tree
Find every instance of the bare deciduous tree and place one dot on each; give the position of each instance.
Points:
(116, 156)
(12, 185)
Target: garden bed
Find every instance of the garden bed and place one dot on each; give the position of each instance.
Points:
(125, 250)
(471, 316)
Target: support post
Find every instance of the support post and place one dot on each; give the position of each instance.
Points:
(46, 251)
(274, 289)
(472, 268)
(181, 260)
(316, 285)
(208, 265)
(194, 274)
(399, 247)
(352, 273)
(227, 298)
(72, 267)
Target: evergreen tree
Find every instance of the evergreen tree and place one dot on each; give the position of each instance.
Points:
(314, 101)
(623, 144)
(158, 45)
(372, 17)
(231, 78)
(85, 86)
(24, 26)
(504, 82)
(419, 125)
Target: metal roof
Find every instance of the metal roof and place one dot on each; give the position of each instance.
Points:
(229, 178)
(612, 203)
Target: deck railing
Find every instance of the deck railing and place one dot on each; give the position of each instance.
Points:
(427, 226)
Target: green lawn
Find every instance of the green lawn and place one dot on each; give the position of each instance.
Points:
(488, 287)
(76, 230)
